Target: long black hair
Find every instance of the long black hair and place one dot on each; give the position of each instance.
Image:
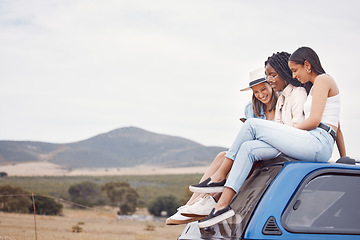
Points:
(303, 54)
(279, 61)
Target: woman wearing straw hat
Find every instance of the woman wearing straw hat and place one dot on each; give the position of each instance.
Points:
(264, 98)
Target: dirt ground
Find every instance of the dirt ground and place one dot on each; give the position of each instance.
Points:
(92, 225)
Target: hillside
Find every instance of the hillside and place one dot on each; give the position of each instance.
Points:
(123, 147)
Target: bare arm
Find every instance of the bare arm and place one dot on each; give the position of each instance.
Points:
(319, 94)
(340, 142)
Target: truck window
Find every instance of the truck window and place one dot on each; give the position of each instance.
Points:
(326, 203)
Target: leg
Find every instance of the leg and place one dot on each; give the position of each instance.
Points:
(247, 133)
(223, 170)
(178, 218)
(282, 137)
(249, 152)
(214, 166)
(215, 183)
(225, 198)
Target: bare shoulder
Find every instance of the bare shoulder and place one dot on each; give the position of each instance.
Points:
(326, 83)
(324, 78)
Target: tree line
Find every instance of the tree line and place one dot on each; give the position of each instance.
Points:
(85, 194)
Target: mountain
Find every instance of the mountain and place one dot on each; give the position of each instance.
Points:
(123, 147)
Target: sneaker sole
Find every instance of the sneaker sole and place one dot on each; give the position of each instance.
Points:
(216, 219)
(206, 189)
(193, 215)
(179, 222)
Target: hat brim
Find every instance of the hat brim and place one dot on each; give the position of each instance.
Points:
(253, 83)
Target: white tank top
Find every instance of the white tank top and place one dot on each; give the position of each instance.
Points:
(331, 113)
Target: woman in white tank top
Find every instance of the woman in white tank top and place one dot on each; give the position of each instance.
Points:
(323, 103)
(310, 140)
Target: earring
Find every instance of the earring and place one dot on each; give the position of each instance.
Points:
(308, 70)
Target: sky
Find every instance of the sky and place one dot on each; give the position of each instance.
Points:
(72, 69)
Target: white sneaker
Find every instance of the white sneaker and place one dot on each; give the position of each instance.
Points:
(177, 218)
(201, 208)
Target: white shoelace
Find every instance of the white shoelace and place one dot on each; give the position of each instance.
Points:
(202, 200)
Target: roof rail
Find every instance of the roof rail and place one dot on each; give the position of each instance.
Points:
(346, 160)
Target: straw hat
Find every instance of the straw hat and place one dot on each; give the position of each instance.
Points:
(256, 76)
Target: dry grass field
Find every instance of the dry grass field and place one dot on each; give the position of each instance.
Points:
(50, 169)
(95, 225)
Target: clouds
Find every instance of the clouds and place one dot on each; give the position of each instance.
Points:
(73, 69)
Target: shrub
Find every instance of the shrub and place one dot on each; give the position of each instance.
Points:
(85, 193)
(168, 203)
(77, 229)
(14, 199)
(46, 205)
(123, 196)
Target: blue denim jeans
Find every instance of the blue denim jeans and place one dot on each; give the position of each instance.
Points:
(263, 140)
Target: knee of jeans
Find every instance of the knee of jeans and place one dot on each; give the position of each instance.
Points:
(247, 148)
(248, 145)
(253, 121)
(249, 121)
(250, 125)
(256, 150)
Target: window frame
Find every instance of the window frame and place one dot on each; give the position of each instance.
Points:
(318, 230)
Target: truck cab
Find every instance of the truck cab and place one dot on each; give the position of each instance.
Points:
(284, 198)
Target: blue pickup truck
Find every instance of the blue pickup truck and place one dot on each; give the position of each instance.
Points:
(287, 199)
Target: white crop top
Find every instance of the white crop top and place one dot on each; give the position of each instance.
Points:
(331, 114)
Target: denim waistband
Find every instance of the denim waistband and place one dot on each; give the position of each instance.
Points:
(329, 130)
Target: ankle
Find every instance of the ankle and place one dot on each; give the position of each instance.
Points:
(217, 178)
(219, 207)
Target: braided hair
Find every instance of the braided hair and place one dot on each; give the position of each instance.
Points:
(279, 61)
